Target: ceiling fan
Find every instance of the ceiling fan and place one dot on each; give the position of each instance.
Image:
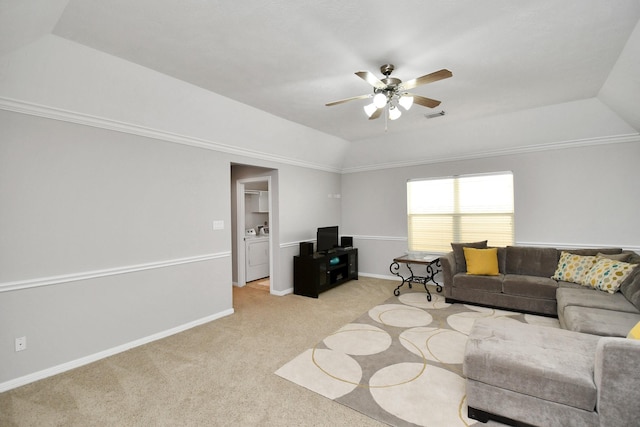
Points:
(390, 92)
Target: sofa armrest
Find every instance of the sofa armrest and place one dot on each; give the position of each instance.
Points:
(449, 269)
(617, 378)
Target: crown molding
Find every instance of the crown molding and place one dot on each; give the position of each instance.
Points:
(59, 114)
(53, 113)
(560, 145)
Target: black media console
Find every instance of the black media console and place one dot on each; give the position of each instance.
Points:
(319, 272)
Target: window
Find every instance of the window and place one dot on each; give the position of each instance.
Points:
(464, 208)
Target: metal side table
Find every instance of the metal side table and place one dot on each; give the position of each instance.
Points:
(432, 267)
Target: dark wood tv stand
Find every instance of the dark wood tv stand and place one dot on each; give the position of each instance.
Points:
(316, 273)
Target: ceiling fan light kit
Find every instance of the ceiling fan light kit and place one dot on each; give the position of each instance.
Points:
(389, 93)
(380, 100)
(369, 109)
(406, 102)
(394, 112)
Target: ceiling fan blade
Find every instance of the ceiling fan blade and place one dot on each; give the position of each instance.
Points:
(425, 102)
(353, 98)
(376, 113)
(429, 78)
(371, 79)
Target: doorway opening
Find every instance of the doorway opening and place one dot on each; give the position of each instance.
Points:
(254, 232)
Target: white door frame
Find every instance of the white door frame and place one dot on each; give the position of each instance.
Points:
(240, 229)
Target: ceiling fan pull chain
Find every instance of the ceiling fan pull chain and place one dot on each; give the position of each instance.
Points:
(386, 117)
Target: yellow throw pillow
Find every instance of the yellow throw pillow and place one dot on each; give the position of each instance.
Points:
(482, 261)
(634, 333)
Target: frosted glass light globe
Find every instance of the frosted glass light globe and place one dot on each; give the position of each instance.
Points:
(394, 113)
(380, 100)
(406, 102)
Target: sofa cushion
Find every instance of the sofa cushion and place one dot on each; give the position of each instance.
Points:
(573, 268)
(481, 261)
(585, 297)
(479, 283)
(624, 257)
(531, 261)
(562, 284)
(551, 364)
(529, 286)
(458, 253)
(598, 321)
(630, 288)
(608, 274)
(592, 252)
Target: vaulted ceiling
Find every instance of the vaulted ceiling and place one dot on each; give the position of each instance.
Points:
(289, 58)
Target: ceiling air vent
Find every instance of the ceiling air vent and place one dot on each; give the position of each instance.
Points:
(434, 115)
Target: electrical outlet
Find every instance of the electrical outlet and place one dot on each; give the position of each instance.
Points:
(21, 343)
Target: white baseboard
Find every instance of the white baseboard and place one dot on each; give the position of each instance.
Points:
(54, 370)
(282, 293)
(380, 276)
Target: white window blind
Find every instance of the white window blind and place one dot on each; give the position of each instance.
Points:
(465, 208)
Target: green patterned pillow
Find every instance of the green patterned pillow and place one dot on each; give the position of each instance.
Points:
(608, 274)
(573, 268)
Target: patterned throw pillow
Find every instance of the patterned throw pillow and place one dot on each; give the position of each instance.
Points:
(608, 274)
(573, 268)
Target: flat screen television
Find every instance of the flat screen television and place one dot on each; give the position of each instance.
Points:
(327, 238)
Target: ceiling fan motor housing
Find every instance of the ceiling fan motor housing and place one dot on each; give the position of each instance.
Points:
(391, 82)
(387, 69)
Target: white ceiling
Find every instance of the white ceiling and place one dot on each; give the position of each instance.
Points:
(289, 58)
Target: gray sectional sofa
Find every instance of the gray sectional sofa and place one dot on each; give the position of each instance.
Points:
(522, 375)
(524, 284)
(584, 374)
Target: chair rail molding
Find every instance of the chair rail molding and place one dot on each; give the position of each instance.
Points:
(75, 277)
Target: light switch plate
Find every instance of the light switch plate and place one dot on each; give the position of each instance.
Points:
(218, 225)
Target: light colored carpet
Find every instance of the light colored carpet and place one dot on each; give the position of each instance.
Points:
(218, 374)
(401, 362)
(262, 284)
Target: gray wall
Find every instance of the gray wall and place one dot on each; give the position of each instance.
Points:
(568, 197)
(301, 203)
(108, 239)
(107, 210)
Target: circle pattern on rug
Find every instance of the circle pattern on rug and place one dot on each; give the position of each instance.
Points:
(463, 322)
(359, 339)
(438, 345)
(400, 315)
(426, 401)
(416, 299)
(329, 373)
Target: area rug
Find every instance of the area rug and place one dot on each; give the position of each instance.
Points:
(401, 362)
